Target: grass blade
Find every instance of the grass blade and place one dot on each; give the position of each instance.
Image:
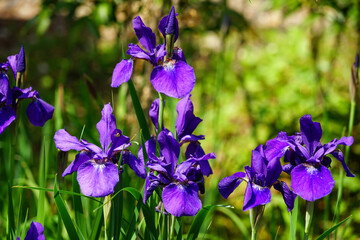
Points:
(330, 230)
(237, 221)
(64, 214)
(293, 219)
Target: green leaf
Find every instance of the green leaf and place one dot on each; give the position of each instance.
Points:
(11, 221)
(330, 230)
(79, 213)
(96, 227)
(42, 177)
(237, 221)
(138, 110)
(180, 232)
(64, 214)
(60, 191)
(293, 219)
(198, 221)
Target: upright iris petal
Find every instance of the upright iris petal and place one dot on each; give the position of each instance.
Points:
(21, 64)
(144, 34)
(171, 22)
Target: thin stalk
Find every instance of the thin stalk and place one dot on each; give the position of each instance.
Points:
(161, 112)
(169, 46)
(308, 218)
(172, 226)
(346, 157)
(293, 219)
(256, 214)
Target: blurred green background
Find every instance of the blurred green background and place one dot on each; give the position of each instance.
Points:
(259, 65)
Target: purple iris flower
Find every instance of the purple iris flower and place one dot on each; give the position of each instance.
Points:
(173, 77)
(97, 171)
(35, 232)
(185, 125)
(308, 161)
(38, 111)
(264, 172)
(181, 183)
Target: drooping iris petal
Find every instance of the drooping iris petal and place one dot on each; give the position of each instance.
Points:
(181, 200)
(258, 161)
(65, 142)
(169, 147)
(173, 79)
(39, 111)
(24, 93)
(4, 87)
(135, 164)
(144, 34)
(311, 183)
(339, 156)
(106, 126)
(7, 116)
(92, 147)
(137, 52)
(186, 121)
(151, 183)
(288, 195)
(311, 133)
(255, 195)
(35, 232)
(80, 158)
(227, 185)
(162, 26)
(122, 72)
(97, 179)
(191, 138)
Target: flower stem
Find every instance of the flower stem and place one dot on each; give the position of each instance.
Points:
(256, 214)
(308, 218)
(161, 112)
(169, 46)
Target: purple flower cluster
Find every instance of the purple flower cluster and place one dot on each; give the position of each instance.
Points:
(98, 168)
(38, 111)
(181, 182)
(171, 75)
(306, 161)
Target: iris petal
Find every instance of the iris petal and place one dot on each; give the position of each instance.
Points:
(106, 126)
(97, 179)
(227, 185)
(311, 183)
(181, 200)
(122, 72)
(173, 79)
